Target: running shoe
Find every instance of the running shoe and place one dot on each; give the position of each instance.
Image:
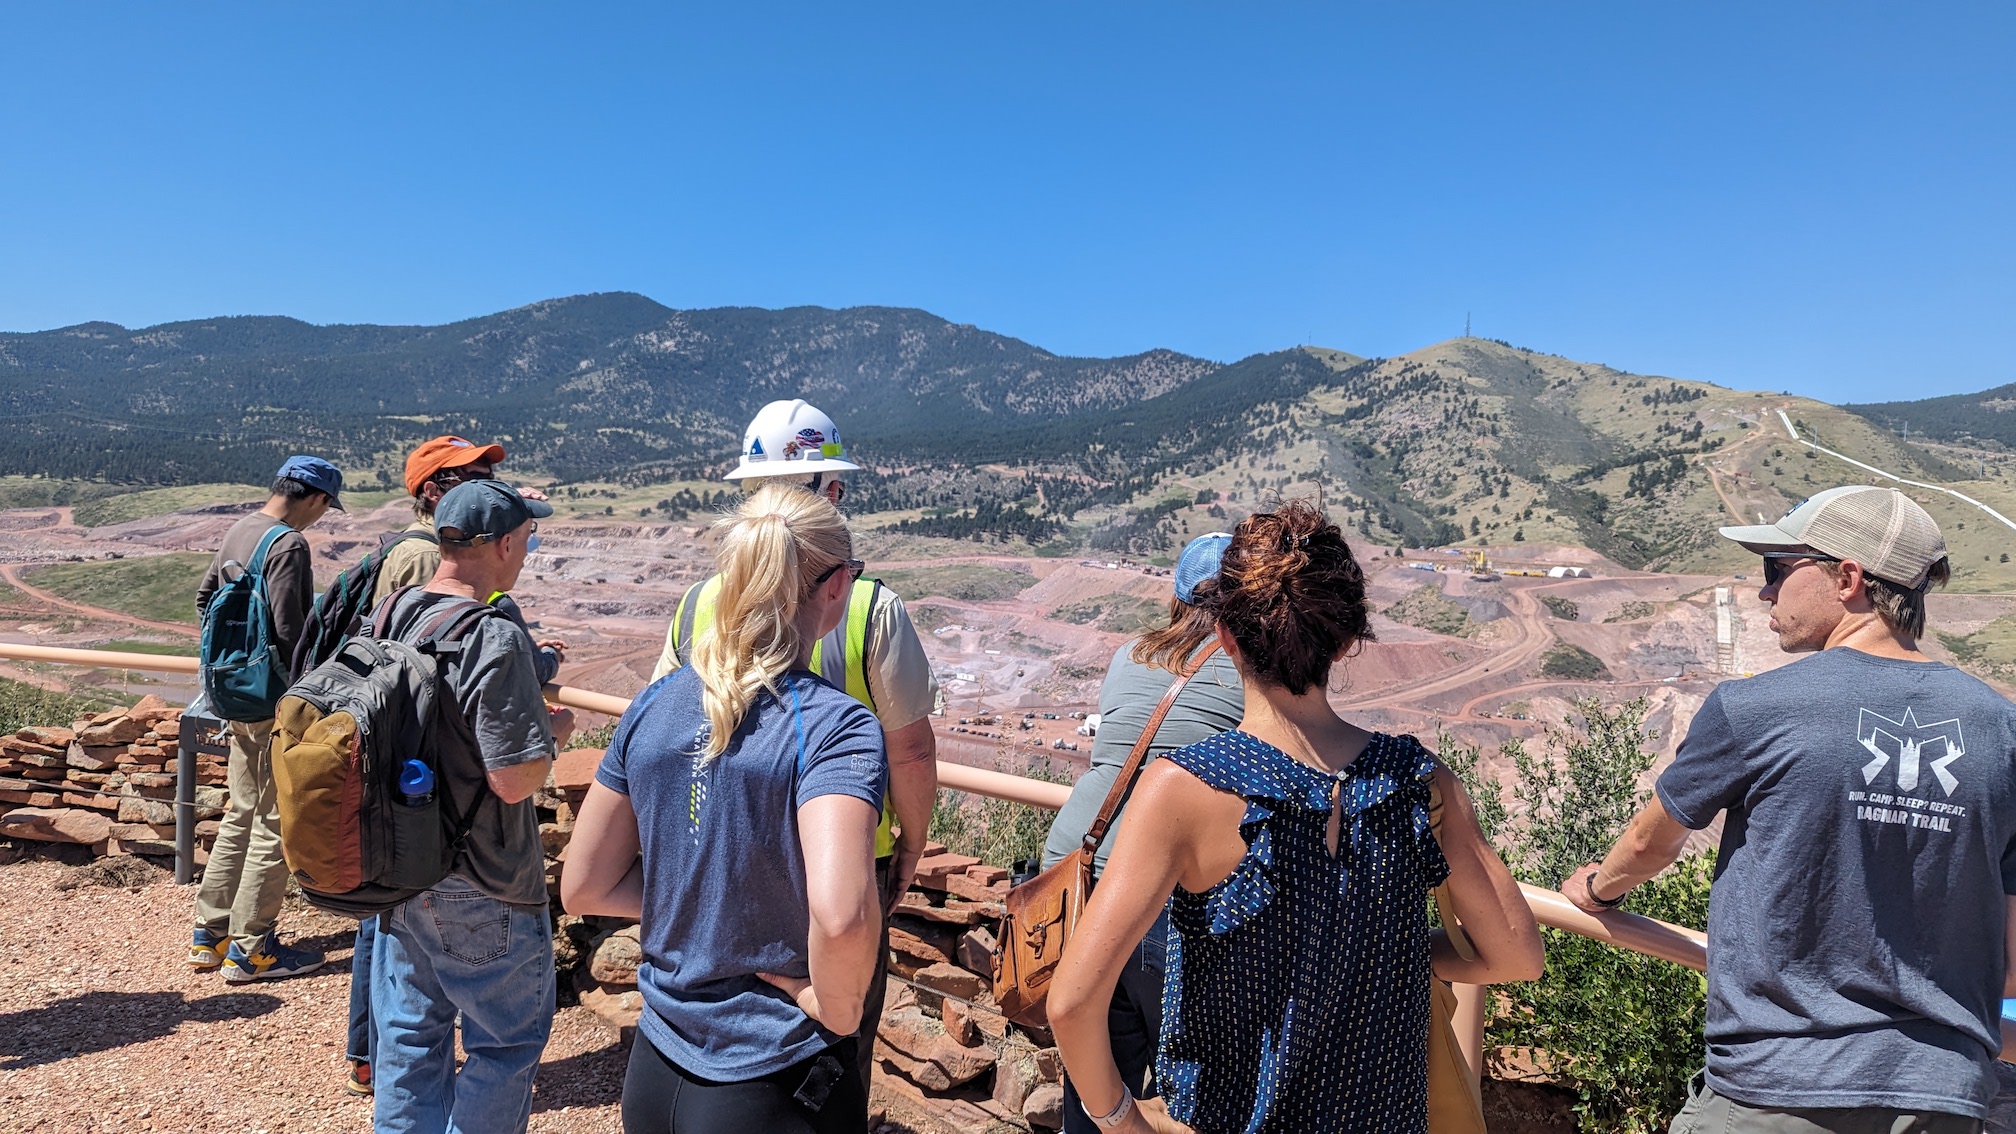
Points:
(358, 1082)
(269, 960)
(206, 950)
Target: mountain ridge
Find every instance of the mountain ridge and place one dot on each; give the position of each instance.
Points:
(974, 434)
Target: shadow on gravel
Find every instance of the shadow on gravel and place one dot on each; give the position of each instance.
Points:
(330, 944)
(101, 1021)
(590, 1079)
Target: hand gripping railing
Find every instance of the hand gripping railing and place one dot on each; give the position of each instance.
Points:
(1648, 936)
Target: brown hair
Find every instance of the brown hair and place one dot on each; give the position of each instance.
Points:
(1902, 609)
(1291, 595)
(1189, 627)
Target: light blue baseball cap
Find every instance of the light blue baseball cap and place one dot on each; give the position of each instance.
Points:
(1199, 562)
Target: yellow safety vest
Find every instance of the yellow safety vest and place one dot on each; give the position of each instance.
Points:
(847, 644)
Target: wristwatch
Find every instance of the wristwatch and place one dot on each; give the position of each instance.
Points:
(1112, 1119)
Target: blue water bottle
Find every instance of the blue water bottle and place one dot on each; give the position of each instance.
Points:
(416, 783)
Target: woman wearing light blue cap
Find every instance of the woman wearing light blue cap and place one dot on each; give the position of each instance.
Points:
(1210, 703)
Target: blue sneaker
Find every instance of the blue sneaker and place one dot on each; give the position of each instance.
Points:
(206, 950)
(269, 960)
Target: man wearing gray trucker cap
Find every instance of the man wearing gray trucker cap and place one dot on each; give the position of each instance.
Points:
(1859, 929)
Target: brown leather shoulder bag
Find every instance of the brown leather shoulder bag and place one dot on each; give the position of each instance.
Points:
(1043, 912)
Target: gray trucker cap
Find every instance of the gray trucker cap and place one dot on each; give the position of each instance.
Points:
(1881, 528)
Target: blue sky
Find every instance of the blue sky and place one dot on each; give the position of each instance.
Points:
(1814, 197)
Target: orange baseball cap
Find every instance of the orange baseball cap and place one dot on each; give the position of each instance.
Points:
(446, 453)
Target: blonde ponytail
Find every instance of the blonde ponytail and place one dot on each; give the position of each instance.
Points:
(771, 547)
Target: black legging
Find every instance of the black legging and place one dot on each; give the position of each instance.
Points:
(659, 1097)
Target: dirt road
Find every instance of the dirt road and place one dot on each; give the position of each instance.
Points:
(12, 575)
(1527, 619)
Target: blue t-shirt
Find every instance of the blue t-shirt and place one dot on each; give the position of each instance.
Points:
(724, 876)
(1855, 929)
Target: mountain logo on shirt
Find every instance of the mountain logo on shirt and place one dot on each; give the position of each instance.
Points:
(1915, 747)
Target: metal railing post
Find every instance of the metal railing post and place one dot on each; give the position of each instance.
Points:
(185, 811)
(1468, 1024)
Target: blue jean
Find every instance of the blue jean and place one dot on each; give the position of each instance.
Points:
(363, 1039)
(456, 950)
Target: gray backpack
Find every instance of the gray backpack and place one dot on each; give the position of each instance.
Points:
(366, 818)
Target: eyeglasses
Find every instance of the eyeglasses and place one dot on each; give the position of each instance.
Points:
(854, 566)
(1778, 564)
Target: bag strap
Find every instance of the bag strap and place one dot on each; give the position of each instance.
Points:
(1096, 834)
(257, 568)
(1445, 898)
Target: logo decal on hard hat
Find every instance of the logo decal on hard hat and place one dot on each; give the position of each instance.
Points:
(756, 449)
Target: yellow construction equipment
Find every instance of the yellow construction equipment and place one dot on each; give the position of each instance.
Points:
(1478, 561)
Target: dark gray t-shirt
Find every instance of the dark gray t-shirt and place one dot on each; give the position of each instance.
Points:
(1212, 703)
(1855, 929)
(496, 693)
(724, 872)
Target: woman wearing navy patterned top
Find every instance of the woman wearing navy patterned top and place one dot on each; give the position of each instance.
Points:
(1299, 853)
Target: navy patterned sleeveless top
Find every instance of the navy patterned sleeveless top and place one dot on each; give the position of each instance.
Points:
(1297, 994)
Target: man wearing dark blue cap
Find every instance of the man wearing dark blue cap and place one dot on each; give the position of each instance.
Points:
(478, 946)
(246, 876)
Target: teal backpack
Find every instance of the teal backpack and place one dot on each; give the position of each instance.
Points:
(243, 672)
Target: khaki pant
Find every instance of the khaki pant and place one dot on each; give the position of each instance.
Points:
(246, 876)
(1709, 1113)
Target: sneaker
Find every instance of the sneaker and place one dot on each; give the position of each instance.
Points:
(206, 950)
(358, 1082)
(269, 960)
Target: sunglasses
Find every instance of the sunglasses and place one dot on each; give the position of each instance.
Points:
(457, 475)
(531, 539)
(1778, 564)
(854, 566)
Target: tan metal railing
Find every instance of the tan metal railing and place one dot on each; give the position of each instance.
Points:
(1648, 936)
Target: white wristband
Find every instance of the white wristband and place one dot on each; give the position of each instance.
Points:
(1112, 1119)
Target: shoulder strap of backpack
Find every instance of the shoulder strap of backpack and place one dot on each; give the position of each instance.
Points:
(257, 567)
(387, 540)
(442, 635)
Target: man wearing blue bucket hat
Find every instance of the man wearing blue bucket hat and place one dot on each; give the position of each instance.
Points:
(246, 876)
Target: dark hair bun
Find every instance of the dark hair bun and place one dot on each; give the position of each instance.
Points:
(1292, 596)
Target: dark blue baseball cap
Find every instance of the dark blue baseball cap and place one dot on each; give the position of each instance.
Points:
(317, 474)
(1199, 562)
(483, 510)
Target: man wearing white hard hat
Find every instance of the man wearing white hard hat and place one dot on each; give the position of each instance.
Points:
(1859, 929)
(874, 655)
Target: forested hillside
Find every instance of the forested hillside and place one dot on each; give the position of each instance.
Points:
(1985, 417)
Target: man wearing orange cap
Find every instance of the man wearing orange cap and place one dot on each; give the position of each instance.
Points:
(435, 467)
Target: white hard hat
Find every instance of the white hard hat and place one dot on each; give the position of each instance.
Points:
(791, 439)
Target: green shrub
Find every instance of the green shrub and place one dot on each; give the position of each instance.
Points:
(1562, 608)
(993, 830)
(1427, 609)
(1631, 612)
(22, 705)
(1573, 663)
(1623, 1031)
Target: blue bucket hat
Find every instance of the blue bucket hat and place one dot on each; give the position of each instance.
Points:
(1199, 562)
(317, 474)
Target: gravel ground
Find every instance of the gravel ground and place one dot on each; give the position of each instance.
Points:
(103, 1028)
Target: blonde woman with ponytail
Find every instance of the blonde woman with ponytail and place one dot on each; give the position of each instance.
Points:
(734, 815)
